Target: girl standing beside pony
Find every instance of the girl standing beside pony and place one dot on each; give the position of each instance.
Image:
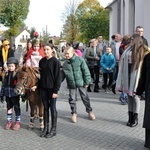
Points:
(49, 86)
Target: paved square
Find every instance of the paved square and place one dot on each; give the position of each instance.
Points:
(107, 132)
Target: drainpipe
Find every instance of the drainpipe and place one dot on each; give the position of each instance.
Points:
(119, 16)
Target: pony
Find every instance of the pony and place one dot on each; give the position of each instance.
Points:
(27, 77)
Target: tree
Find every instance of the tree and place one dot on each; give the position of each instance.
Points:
(70, 31)
(45, 37)
(32, 30)
(84, 21)
(70, 27)
(13, 13)
(93, 20)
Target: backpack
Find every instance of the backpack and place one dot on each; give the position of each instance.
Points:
(123, 98)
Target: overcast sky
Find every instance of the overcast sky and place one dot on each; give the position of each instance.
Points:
(49, 12)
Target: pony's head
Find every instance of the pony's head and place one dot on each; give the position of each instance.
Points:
(27, 77)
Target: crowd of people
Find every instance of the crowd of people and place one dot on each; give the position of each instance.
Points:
(123, 63)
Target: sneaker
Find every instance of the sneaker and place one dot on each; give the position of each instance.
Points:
(16, 126)
(91, 116)
(8, 125)
(74, 118)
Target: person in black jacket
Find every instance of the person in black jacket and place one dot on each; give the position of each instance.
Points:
(5, 52)
(50, 82)
(144, 85)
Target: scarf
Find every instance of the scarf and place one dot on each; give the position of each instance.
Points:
(123, 83)
(4, 54)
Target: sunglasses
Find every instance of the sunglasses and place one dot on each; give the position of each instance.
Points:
(7, 44)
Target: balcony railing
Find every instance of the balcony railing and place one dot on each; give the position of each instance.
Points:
(23, 40)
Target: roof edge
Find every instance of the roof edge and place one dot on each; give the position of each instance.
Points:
(109, 5)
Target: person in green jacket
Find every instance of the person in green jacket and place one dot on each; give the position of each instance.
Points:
(78, 77)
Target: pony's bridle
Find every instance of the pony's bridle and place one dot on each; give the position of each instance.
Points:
(23, 86)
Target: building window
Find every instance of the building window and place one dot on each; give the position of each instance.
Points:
(22, 37)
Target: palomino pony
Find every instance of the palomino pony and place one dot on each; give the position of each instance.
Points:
(27, 77)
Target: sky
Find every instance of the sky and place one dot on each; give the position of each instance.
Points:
(49, 13)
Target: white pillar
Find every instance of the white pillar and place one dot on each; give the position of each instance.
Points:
(139, 15)
(126, 17)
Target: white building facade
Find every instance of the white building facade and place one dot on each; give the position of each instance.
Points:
(21, 39)
(125, 15)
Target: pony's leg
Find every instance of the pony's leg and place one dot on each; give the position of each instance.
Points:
(41, 110)
(31, 124)
(41, 123)
(36, 111)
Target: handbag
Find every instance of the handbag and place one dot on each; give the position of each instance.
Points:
(91, 64)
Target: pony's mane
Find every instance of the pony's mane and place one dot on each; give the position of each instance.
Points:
(31, 71)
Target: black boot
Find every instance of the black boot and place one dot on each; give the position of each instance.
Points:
(134, 121)
(96, 89)
(45, 131)
(89, 89)
(46, 125)
(130, 118)
(113, 88)
(54, 124)
(147, 138)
